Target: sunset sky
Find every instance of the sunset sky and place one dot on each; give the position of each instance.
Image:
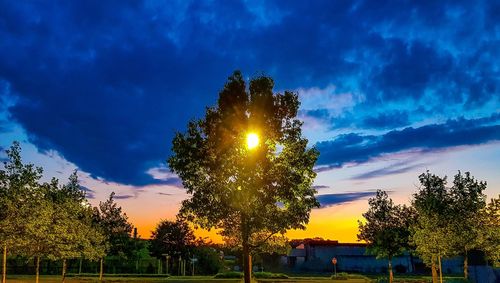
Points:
(387, 90)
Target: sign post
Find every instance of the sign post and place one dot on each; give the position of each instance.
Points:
(334, 262)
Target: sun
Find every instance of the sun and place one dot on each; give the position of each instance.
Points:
(252, 140)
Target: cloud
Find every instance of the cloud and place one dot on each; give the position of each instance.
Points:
(328, 200)
(398, 168)
(124, 196)
(356, 148)
(319, 187)
(387, 120)
(106, 85)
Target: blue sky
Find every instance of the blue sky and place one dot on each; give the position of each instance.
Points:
(388, 89)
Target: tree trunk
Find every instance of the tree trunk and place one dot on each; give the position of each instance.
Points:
(101, 271)
(64, 271)
(247, 260)
(391, 275)
(80, 267)
(247, 263)
(466, 266)
(4, 264)
(37, 268)
(434, 270)
(440, 270)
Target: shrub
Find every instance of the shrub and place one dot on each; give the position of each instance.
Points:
(340, 276)
(230, 274)
(269, 275)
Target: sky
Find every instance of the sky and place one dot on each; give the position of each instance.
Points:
(388, 90)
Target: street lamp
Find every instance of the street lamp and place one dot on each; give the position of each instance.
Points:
(252, 140)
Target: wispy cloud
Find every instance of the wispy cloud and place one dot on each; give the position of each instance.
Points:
(328, 200)
(357, 148)
(397, 168)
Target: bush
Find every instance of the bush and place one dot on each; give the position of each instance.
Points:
(340, 276)
(229, 275)
(269, 275)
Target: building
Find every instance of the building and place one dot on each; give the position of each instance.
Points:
(315, 255)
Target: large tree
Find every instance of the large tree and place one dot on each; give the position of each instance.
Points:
(467, 204)
(386, 228)
(246, 164)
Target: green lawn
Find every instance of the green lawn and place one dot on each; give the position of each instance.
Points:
(174, 279)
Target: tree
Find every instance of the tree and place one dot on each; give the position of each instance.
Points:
(387, 228)
(73, 233)
(490, 235)
(433, 206)
(172, 238)
(467, 202)
(19, 187)
(114, 225)
(262, 188)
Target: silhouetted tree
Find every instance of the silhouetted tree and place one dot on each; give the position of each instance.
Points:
(386, 228)
(174, 238)
(266, 189)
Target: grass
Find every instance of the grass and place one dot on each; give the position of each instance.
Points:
(348, 278)
(172, 279)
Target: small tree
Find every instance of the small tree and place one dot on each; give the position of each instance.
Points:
(490, 234)
(386, 229)
(172, 238)
(467, 202)
(433, 206)
(114, 225)
(19, 190)
(246, 164)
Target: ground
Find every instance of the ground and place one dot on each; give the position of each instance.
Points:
(209, 279)
(196, 279)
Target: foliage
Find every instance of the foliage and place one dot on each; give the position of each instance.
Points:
(209, 260)
(174, 238)
(467, 203)
(387, 227)
(270, 275)
(433, 205)
(229, 275)
(115, 226)
(44, 219)
(19, 184)
(242, 191)
(491, 231)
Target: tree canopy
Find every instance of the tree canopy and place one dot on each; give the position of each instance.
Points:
(386, 228)
(241, 190)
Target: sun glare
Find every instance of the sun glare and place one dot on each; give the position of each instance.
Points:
(252, 140)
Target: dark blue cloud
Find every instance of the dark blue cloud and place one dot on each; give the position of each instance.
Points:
(107, 84)
(328, 200)
(388, 120)
(356, 148)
